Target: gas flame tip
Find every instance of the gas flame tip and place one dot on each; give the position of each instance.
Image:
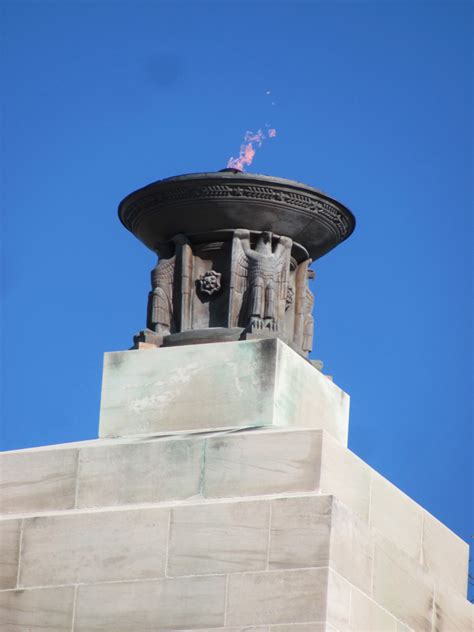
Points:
(247, 150)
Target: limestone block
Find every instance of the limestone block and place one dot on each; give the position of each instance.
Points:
(252, 628)
(351, 547)
(345, 475)
(10, 531)
(303, 627)
(289, 596)
(338, 601)
(444, 554)
(40, 609)
(255, 463)
(186, 603)
(37, 480)
(396, 515)
(251, 462)
(300, 627)
(367, 616)
(305, 397)
(296, 627)
(147, 471)
(452, 611)
(316, 531)
(94, 546)
(300, 532)
(216, 386)
(218, 538)
(401, 587)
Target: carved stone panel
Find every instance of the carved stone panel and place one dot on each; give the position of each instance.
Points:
(234, 254)
(248, 284)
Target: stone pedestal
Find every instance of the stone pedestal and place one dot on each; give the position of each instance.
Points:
(196, 388)
(277, 527)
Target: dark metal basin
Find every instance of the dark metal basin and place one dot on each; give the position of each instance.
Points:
(201, 203)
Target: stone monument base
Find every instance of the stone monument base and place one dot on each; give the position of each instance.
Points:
(217, 386)
(270, 525)
(268, 530)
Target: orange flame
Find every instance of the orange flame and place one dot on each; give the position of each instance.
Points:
(247, 149)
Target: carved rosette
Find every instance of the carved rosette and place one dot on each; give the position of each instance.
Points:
(210, 282)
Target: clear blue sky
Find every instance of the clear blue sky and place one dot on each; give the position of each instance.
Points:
(373, 105)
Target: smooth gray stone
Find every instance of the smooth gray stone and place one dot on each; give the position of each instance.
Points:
(246, 463)
(42, 609)
(10, 531)
(140, 472)
(203, 336)
(218, 538)
(346, 476)
(401, 587)
(316, 531)
(452, 612)
(94, 547)
(260, 463)
(367, 616)
(444, 555)
(186, 603)
(291, 596)
(396, 515)
(37, 480)
(300, 533)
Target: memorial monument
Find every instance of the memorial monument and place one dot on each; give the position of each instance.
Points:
(221, 494)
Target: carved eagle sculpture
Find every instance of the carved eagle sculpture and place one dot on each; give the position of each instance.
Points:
(259, 280)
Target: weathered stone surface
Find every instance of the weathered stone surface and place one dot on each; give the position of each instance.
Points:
(303, 627)
(290, 596)
(40, 609)
(252, 628)
(94, 546)
(10, 531)
(218, 538)
(367, 616)
(216, 386)
(452, 611)
(401, 587)
(320, 531)
(444, 554)
(195, 387)
(37, 480)
(338, 601)
(262, 463)
(186, 603)
(351, 547)
(300, 532)
(396, 515)
(305, 397)
(345, 476)
(141, 472)
(265, 461)
(295, 627)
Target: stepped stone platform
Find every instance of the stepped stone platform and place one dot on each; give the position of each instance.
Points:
(258, 527)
